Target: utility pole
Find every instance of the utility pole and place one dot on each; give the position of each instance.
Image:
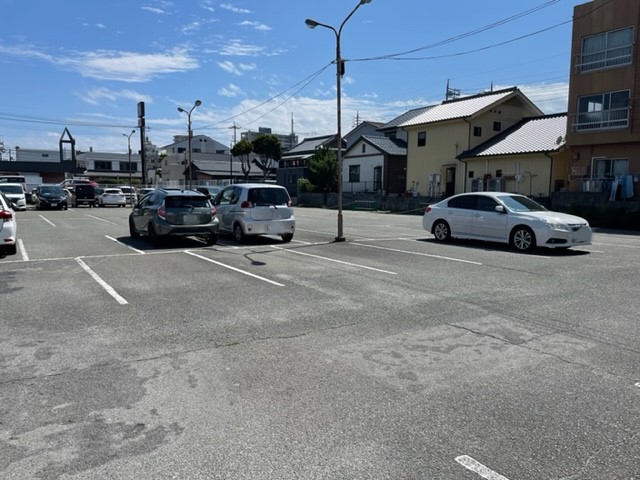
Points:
(235, 129)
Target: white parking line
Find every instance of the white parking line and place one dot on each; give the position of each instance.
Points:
(101, 219)
(244, 272)
(23, 251)
(475, 466)
(125, 245)
(417, 253)
(49, 222)
(110, 290)
(288, 250)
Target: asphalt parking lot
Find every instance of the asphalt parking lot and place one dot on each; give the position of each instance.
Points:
(388, 356)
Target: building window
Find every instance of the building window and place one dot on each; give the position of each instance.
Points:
(181, 149)
(603, 110)
(364, 148)
(498, 173)
(354, 173)
(291, 179)
(610, 167)
(477, 131)
(470, 174)
(45, 155)
(124, 166)
(606, 50)
(497, 126)
(422, 139)
(102, 165)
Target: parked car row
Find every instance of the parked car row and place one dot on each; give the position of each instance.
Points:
(241, 210)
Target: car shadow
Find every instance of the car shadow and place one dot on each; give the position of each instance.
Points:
(503, 247)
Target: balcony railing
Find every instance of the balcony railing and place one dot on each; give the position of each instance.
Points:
(605, 119)
(611, 58)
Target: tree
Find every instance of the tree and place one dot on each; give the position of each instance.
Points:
(270, 151)
(243, 150)
(323, 170)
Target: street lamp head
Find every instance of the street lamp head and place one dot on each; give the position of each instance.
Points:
(198, 102)
(182, 110)
(362, 2)
(310, 23)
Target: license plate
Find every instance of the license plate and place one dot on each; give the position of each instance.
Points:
(54, 204)
(189, 219)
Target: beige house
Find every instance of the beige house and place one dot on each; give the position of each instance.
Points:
(530, 158)
(437, 135)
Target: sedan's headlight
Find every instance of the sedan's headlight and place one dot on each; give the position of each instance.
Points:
(558, 226)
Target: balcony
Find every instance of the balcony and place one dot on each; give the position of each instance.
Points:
(603, 120)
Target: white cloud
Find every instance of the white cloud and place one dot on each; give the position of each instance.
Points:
(233, 8)
(207, 5)
(230, 91)
(159, 11)
(130, 66)
(237, 48)
(98, 95)
(229, 67)
(101, 25)
(256, 25)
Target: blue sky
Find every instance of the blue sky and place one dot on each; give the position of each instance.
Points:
(85, 64)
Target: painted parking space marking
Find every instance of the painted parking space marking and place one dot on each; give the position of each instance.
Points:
(475, 466)
(288, 250)
(244, 272)
(125, 245)
(441, 257)
(48, 221)
(22, 250)
(101, 219)
(108, 288)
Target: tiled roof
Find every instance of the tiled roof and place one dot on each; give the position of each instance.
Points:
(405, 117)
(531, 135)
(387, 145)
(459, 108)
(309, 144)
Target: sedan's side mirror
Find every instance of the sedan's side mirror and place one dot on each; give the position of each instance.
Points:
(500, 209)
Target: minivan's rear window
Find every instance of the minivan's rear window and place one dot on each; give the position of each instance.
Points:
(186, 202)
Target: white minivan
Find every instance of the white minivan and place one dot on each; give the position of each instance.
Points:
(246, 209)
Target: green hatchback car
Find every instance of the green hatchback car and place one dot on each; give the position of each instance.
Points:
(162, 214)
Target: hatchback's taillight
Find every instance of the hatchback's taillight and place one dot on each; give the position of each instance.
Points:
(289, 204)
(214, 212)
(161, 212)
(5, 215)
(245, 204)
(427, 210)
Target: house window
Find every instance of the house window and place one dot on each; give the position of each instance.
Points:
(291, 179)
(181, 149)
(498, 173)
(354, 173)
(45, 155)
(610, 167)
(422, 139)
(470, 174)
(606, 50)
(497, 126)
(477, 131)
(603, 110)
(102, 165)
(364, 148)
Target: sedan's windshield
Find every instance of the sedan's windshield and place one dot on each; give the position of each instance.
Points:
(519, 203)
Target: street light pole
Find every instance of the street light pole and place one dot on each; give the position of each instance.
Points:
(339, 73)
(129, 152)
(190, 134)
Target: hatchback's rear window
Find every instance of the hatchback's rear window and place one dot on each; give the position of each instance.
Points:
(186, 202)
(268, 196)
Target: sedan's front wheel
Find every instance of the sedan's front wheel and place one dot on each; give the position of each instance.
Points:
(523, 239)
